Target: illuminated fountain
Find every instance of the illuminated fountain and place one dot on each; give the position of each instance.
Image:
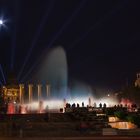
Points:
(41, 107)
(54, 71)
(23, 109)
(11, 108)
(52, 90)
(54, 74)
(126, 102)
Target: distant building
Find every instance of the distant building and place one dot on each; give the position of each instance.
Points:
(10, 93)
(137, 82)
(11, 90)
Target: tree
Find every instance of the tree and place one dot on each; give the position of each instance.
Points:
(134, 119)
(120, 114)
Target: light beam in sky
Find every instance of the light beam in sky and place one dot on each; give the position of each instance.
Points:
(100, 22)
(67, 23)
(15, 27)
(1, 70)
(35, 39)
(60, 31)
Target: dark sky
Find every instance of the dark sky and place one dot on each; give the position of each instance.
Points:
(101, 38)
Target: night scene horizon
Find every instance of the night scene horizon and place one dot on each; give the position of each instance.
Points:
(63, 57)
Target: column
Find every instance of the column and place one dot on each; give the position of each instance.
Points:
(39, 86)
(30, 92)
(48, 90)
(21, 91)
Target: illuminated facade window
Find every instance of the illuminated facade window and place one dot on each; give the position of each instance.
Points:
(11, 94)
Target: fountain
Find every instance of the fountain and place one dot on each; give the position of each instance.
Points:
(52, 88)
(11, 108)
(54, 72)
(41, 108)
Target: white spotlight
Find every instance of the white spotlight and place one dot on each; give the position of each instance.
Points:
(1, 22)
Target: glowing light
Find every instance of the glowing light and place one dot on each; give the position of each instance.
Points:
(11, 108)
(113, 119)
(79, 100)
(123, 125)
(23, 109)
(1, 22)
(108, 101)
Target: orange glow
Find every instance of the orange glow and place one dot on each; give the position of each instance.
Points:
(123, 125)
(113, 119)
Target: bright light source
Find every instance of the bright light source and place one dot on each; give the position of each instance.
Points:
(1, 22)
